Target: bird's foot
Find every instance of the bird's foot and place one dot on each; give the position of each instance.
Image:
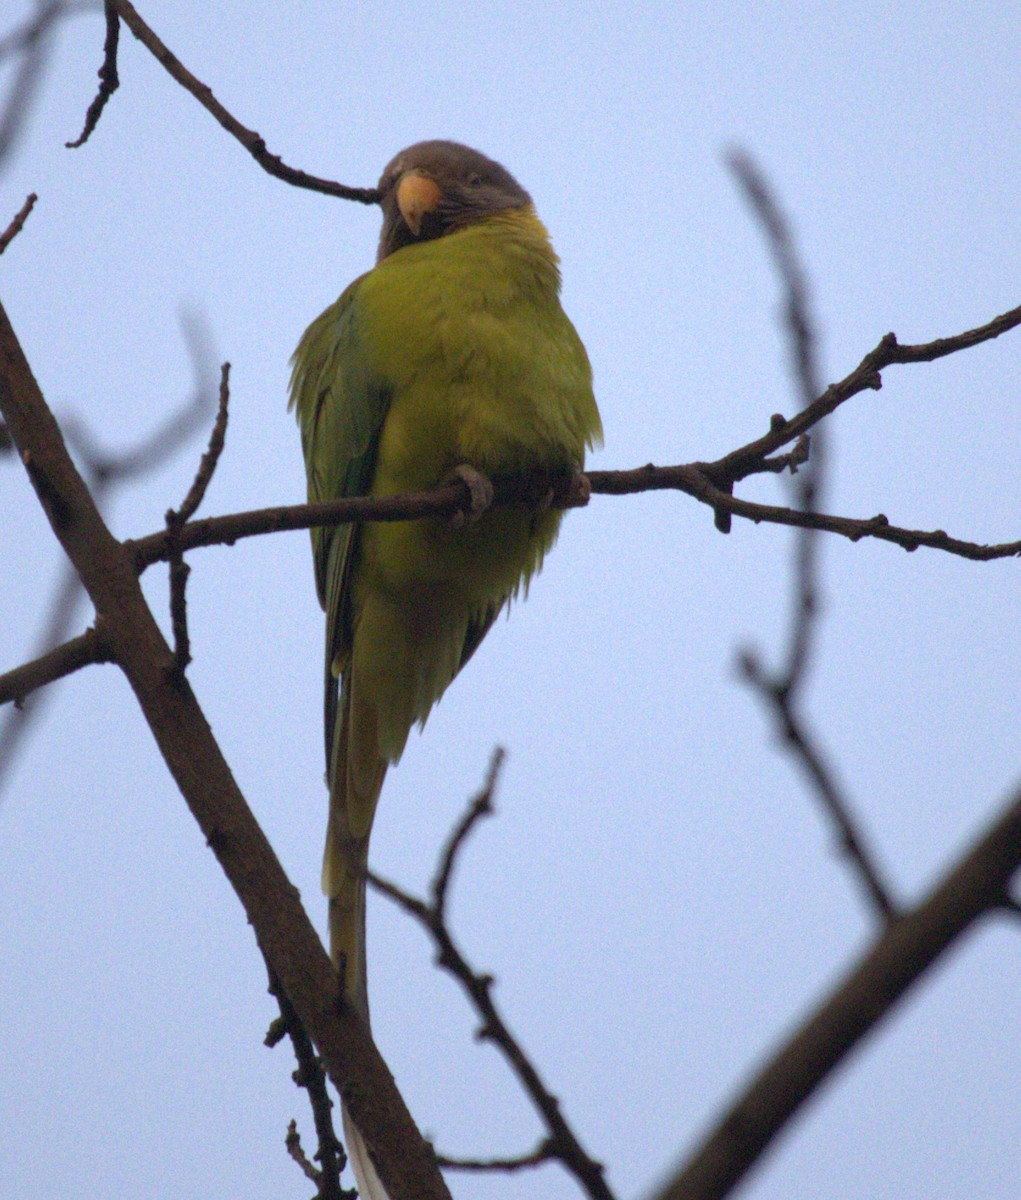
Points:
(480, 495)
(568, 491)
(579, 492)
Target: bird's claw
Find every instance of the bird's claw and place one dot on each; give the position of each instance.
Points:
(570, 491)
(480, 495)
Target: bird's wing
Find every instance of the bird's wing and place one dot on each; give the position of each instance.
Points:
(341, 402)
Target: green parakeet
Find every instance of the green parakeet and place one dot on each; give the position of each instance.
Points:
(453, 352)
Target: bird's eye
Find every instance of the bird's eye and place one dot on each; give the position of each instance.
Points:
(474, 180)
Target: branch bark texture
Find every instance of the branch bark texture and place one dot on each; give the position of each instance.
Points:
(910, 945)
(134, 641)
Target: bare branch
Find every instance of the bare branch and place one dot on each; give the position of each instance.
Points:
(780, 690)
(248, 138)
(108, 79)
(866, 376)
(801, 338)
(103, 472)
(561, 1143)
(81, 651)
(207, 467)
(176, 518)
(481, 806)
(310, 1076)
(31, 42)
(850, 839)
(195, 761)
(541, 1155)
(18, 222)
(908, 947)
(689, 478)
(18, 721)
(103, 468)
(297, 1152)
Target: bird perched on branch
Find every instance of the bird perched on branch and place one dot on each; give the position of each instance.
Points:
(451, 357)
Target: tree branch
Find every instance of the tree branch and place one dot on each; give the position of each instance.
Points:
(309, 1075)
(248, 138)
(691, 478)
(79, 652)
(866, 376)
(780, 689)
(910, 945)
(850, 839)
(561, 1143)
(104, 470)
(17, 222)
(538, 1157)
(286, 937)
(703, 481)
(108, 78)
(176, 518)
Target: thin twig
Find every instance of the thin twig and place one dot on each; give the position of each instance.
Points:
(561, 1142)
(179, 572)
(176, 519)
(103, 472)
(104, 467)
(780, 689)
(108, 79)
(295, 1149)
(248, 138)
(801, 339)
(851, 840)
(310, 1076)
(480, 807)
(207, 466)
(542, 1154)
(17, 223)
(32, 41)
(866, 376)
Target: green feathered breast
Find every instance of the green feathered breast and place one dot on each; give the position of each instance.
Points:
(450, 351)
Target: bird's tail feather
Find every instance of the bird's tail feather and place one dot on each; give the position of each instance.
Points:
(356, 779)
(368, 1182)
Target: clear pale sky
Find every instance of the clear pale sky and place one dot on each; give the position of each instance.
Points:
(658, 896)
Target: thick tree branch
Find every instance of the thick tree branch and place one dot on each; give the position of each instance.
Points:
(105, 470)
(974, 886)
(248, 138)
(288, 941)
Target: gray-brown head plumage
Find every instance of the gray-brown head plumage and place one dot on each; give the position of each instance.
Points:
(433, 188)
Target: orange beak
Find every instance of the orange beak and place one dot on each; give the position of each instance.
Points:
(416, 195)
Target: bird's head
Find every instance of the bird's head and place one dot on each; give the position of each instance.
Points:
(434, 188)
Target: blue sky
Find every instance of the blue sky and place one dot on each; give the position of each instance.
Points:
(658, 895)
